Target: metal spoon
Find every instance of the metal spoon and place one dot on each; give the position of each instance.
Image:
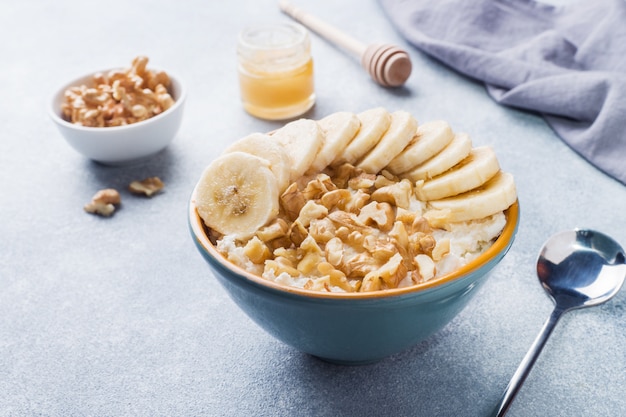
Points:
(577, 268)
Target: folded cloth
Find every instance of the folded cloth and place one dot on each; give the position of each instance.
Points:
(567, 63)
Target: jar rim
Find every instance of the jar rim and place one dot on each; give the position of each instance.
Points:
(273, 36)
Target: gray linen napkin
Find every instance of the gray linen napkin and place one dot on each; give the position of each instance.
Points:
(567, 63)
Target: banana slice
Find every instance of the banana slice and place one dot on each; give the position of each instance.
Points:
(494, 196)
(339, 129)
(237, 194)
(263, 146)
(472, 172)
(457, 150)
(374, 124)
(431, 138)
(302, 139)
(401, 131)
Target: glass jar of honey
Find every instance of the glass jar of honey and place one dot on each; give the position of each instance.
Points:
(276, 71)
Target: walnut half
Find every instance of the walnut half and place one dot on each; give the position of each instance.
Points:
(147, 187)
(104, 202)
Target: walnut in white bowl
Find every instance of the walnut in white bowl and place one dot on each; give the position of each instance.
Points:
(120, 115)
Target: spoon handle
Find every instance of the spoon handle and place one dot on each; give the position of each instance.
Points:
(527, 363)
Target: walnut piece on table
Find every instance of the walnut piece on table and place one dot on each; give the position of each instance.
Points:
(104, 202)
(147, 186)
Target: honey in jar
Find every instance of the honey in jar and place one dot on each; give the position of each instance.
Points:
(276, 71)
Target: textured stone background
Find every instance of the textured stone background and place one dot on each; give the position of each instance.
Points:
(121, 316)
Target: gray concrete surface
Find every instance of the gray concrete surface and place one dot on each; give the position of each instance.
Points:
(121, 316)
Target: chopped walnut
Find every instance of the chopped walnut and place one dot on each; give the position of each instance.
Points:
(360, 265)
(120, 97)
(382, 181)
(427, 244)
(405, 216)
(147, 186)
(104, 202)
(286, 253)
(356, 202)
(421, 225)
(292, 200)
(347, 230)
(317, 187)
(380, 214)
(441, 249)
(372, 282)
(425, 267)
(400, 239)
(355, 239)
(387, 276)
(278, 228)
(280, 242)
(336, 277)
(399, 233)
(438, 218)
(397, 194)
(381, 249)
(334, 251)
(343, 233)
(322, 230)
(297, 233)
(362, 181)
(343, 173)
(336, 198)
(256, 250)
(319, 284)
(311, 211)
(312, 256)
(348, 220)
(277, 266)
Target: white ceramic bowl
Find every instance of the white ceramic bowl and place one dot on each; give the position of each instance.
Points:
(121, 144)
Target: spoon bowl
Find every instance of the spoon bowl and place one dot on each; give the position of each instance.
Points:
(577, 268)
(581, 268)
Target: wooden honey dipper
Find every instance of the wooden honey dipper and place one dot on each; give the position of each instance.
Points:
(388, 65)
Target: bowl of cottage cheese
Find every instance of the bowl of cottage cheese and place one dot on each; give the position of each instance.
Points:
(355, 236)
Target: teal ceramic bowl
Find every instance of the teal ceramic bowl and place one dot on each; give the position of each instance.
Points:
(352, 328)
